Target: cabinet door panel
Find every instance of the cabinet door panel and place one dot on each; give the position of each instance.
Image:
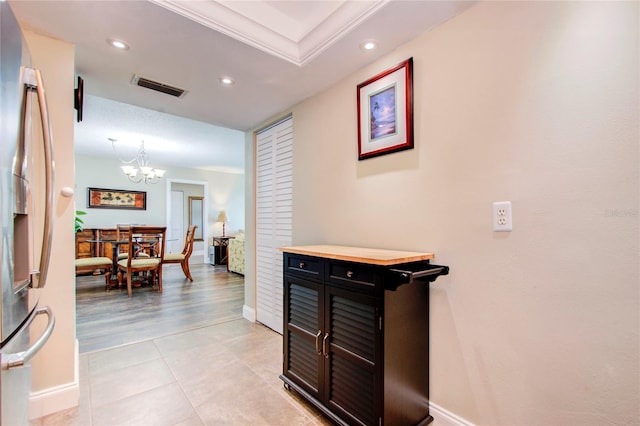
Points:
(353, 326)
(302, 363)
(352, 390)
(350, 371)
(84, 248)
(303, 307)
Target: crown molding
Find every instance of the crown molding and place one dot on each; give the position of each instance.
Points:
(275, 33)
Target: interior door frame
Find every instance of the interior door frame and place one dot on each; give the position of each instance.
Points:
(205, 211)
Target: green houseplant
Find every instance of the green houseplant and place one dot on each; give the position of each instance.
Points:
(78, 221)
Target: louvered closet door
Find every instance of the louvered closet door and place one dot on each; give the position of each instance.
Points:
(303, 335)
(274, 190)
(354, 335)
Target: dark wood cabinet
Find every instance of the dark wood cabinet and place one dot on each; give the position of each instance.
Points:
(85, 248)
(221, 250)
(356, 336)
(86, 245)
(220, 253)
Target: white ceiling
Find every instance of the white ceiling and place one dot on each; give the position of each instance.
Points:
(278, 52)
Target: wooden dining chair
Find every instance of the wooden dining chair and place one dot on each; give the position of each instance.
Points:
(151, 239)
(93, 264)
(122, 232)
(183, 258)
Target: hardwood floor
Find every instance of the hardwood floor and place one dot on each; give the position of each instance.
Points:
(106, 319)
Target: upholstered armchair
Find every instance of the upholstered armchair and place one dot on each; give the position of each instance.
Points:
(235, 251)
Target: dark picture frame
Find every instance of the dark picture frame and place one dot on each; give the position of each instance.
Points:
(385, 112)
(100, 198)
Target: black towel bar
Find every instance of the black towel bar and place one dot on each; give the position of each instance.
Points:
(410, 273)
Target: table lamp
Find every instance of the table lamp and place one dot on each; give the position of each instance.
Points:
(222, 217)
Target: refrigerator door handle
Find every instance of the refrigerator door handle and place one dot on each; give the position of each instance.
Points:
(21, 358)
(33, 78)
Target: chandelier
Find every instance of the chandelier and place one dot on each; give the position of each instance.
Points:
(148, 174)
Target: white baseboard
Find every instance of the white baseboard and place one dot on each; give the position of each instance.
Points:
(248, 313)
(443, 417)
(58, 398)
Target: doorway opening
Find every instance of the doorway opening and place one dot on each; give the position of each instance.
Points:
(178, 218)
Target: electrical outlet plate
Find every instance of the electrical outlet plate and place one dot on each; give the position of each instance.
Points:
(502, 219)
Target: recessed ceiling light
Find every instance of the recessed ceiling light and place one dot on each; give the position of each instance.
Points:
(118, 44)
(368, 45)
(226, 81)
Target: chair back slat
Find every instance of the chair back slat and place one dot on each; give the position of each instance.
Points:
(141, 236)
(122, 233)
(188, 240)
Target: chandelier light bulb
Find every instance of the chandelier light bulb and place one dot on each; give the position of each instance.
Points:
(148, 175)
(129, 170)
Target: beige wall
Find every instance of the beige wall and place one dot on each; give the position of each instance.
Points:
(532, 102)
(54, 384)
(226, 190)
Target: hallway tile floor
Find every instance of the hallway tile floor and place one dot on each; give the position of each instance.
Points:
(222, 374)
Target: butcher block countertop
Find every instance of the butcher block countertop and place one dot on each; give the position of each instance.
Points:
(359, 254)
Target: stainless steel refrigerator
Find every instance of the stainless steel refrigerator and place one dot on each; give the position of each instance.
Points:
(26, 209)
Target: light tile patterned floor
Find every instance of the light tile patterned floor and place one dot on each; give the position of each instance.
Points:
(223, 374)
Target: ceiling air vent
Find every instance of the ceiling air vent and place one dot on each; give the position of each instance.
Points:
(158, 87)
